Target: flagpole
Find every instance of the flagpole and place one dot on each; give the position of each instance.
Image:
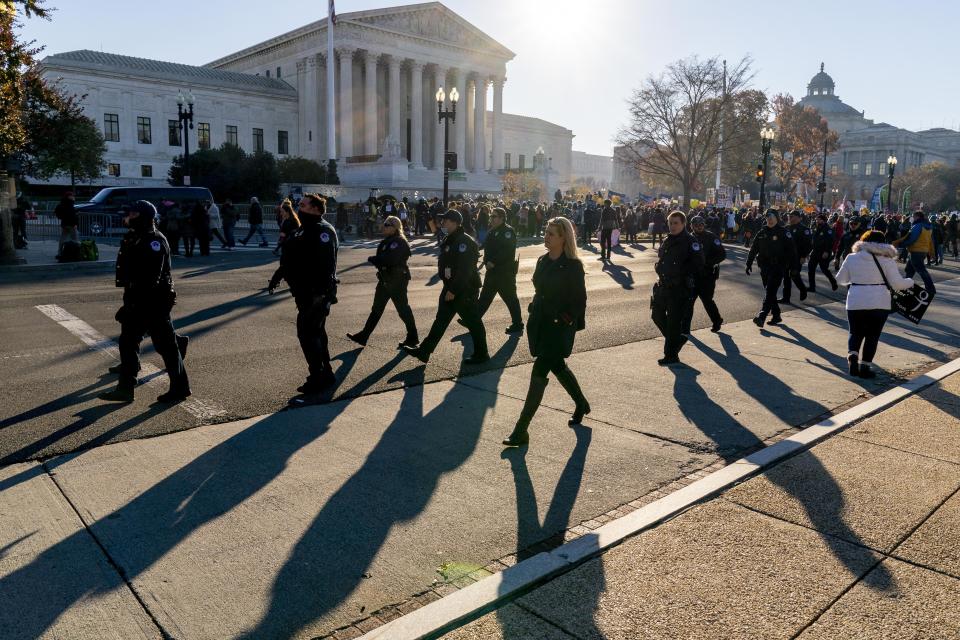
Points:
(331, 106)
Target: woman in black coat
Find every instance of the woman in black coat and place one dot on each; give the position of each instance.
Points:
(556, 314)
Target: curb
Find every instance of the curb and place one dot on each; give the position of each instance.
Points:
(471, 602)
(49, 267)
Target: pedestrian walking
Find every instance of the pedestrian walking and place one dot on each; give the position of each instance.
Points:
(659, 228)
(821, 253)
(919, 246)
(557, 313)
(255, 220)
(867, 271)
(19, 221)
(457, 266)
(216, 222)
(66, 213)
(499, 259)
(229, 217)
(706, 280)
(200, 228)
(308, 263)
(143, 271)
(803, 241)
(393, 275)
(774, 250)
(609, 220)
(679, 261)
(289, 223)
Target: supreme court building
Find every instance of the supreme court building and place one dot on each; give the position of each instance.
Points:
(273, 96)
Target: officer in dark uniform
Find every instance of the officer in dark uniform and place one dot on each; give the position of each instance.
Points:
(499, 258)
(392, 278)
(706, 280)
(775, 251)
(309, 265)
(457, 266)
(848, 239)
(143, 270)
(821, 253)
(803, 240)
(680, 261)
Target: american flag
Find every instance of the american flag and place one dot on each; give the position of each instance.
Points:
(333, 13)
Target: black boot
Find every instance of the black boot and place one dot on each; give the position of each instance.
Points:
(116, 368)
(854, 361)
(360, 338)
(122, 393)
(412, 340)
(569, 383)
(182, 342)
(866, 371)
(519, 436)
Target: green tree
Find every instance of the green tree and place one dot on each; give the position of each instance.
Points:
(332, 177)
(229, 172)
(296, 170)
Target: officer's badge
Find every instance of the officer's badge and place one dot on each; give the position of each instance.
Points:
(695, 246)
(717, 242)
(508, 235)
(786, 233)
(807, 232)
(155, 245)
(774, 238)
(462, 247)
(393, 245)
(447, 273)
(325, 237)
(445, 249)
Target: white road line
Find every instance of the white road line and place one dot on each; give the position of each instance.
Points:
(203, 410)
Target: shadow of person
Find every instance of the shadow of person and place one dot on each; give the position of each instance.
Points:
(534, 537)
(79, 396)
(620, 274)
(395, 483)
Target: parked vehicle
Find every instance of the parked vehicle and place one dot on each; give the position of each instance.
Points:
(101, 215)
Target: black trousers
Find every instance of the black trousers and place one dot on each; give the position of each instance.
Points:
(866, 325)
(504, 285)
(605, 241)
(771, 276)
(670, 306)
(397, 293)
(464, 305)
(794, 277)
(705, 290)
(824, 264)
(134, 325)
(312, 315)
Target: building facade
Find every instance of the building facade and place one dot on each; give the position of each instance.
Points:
(592, 169)
(387, 65)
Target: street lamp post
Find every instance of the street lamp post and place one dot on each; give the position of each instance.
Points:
(766, 140)
(185, 118)
(445, 118)
(822, 185)
(891, 167)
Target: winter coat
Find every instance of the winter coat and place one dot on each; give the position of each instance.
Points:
(214, 213)
(859, 272)
(558, 308)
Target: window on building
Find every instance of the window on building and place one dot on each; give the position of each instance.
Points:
(113, 169)
(283, 143)
(111, 127)
(523, 162)
(203, 135)
(855, 169)
(146, 171)
(258, 139)
(278, 73)
(506, 161)
(883, 168)
(144, 135)
(268, 73)
(868, 169)
(173, 133)
(232, 137)
(834, 170)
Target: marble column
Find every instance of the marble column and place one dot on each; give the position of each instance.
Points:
(497, 141)
(370, 103)
(320, 124)
(309, 141)
(480, 124)
(393, 100)
(303, 99)
(439, 80)
(416, 114)
(470, 126)
(346, 102)
(461, 123)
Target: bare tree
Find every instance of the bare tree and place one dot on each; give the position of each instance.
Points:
(674, 130)
(802, 138)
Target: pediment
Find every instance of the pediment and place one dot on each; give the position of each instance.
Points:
(432, 21)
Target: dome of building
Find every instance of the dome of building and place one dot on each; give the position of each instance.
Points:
(821, 84)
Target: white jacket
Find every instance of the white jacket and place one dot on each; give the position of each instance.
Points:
(860, 273)
(214, 213)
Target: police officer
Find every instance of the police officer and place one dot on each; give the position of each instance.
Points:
(392, 278)
(706, 280)
(821, 253)
(680, 260)
(803, 240)
(309, 265)
(143, 270)
(499, 258)
(457, 266)
(775, 251)
(847, 240)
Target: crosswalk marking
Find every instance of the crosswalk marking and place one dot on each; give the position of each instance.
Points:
(203, 410)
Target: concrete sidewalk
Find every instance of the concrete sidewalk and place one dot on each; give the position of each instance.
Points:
(335, 518)
(857, 538)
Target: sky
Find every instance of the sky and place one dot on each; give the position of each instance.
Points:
(577, 62)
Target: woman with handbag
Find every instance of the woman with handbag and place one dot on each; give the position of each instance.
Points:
(870, 271)
(556, 314)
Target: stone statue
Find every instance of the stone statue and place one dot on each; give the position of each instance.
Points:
(391, 150)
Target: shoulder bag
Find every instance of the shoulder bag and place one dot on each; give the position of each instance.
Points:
(910, 303)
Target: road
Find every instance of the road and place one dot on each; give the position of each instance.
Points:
(244, 359)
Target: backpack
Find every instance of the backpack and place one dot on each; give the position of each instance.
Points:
(89, 251)
(70, 252)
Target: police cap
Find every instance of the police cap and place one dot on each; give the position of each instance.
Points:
(696, 220)
(451, 214)
(144, 208)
